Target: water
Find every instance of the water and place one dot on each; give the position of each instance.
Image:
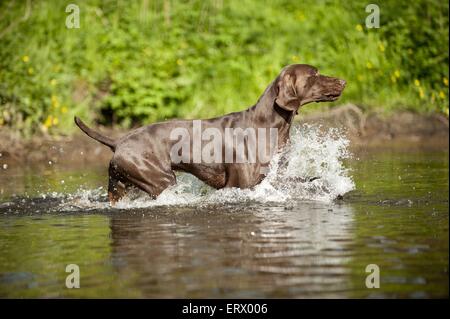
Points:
(285, 238)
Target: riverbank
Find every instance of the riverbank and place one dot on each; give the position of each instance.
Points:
(404, 130)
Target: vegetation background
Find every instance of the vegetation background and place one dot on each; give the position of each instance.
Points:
(136, 62)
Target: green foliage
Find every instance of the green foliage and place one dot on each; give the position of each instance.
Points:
(136, 62)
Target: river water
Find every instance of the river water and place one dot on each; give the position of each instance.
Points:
(285, 238)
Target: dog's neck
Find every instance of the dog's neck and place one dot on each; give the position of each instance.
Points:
(266, 110)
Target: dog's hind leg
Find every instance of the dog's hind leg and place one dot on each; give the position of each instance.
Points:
(116, 190)
(150, 176)
(117, 185)
(156, 184)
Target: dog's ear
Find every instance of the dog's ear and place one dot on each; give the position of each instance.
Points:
(286, 94)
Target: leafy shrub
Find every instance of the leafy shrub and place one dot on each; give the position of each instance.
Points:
(136, 62)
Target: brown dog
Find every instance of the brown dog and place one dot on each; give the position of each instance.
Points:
(147, 157)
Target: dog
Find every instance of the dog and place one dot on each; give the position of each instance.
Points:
(144, 157)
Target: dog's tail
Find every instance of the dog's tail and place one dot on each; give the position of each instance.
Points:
(95, 135)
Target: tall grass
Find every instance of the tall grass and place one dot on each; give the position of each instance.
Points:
(134, 62)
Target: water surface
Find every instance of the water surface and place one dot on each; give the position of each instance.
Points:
(396, 217)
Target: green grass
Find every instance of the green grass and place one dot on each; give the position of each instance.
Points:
(135, 62)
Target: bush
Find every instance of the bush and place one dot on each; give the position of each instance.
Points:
(139, 62)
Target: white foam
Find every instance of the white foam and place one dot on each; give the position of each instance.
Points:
(312, 152)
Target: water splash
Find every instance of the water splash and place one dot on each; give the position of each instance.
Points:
(311, 169)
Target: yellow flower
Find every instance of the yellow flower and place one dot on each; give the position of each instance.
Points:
(25, 58)
(48, 121)
(180, 62)
(55, 101)
(416, 82)
(445, 80)
(446, 111)
(64, 110)
(30, 71)
(369, 65)
(300, 16)
(55, 121)
(397, 73)
(53, 82)
(359, 27)
(295, 58)
(421, 93)
(442, 95)
(381, 47)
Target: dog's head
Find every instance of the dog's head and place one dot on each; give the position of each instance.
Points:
(299, 84)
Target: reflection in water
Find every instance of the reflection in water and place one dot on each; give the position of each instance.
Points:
(409, 242)
(234, 252)
(396, 218)
(36, 249)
